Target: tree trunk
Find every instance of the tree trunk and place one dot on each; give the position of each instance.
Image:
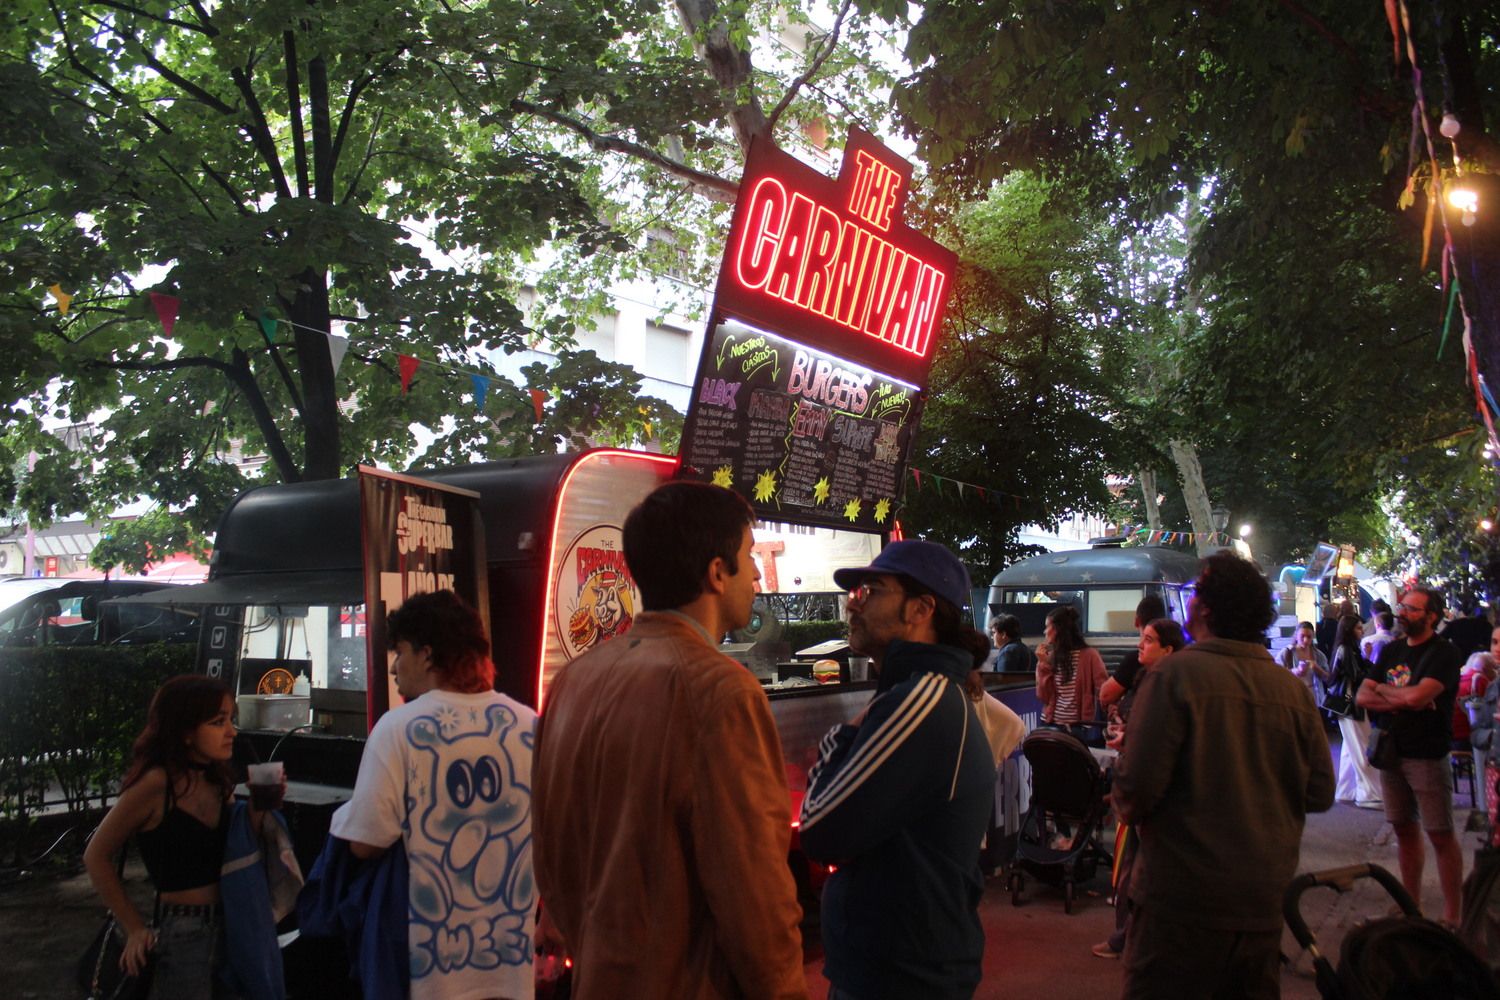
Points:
(320, 412)
(1194, 493)
(1147, 479)
(730, 67)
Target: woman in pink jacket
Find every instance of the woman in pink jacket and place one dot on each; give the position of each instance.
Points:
(1068, 682)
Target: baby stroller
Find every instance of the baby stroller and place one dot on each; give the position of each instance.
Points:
(1403, 957)
(1067, 785)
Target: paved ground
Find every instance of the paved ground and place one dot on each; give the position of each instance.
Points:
(1035, 950)
(1032, 950)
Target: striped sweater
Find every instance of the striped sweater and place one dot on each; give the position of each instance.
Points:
(900, 804)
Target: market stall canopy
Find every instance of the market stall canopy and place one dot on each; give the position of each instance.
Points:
(344, 587)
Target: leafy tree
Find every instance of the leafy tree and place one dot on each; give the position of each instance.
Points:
(1306, 329)
(1023, 388)
(284, 169)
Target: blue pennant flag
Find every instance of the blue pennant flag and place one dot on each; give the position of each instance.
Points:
(481, 387)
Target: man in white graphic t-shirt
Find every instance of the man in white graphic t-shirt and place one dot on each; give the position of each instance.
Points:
(449, 772)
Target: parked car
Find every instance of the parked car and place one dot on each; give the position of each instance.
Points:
(77, 613)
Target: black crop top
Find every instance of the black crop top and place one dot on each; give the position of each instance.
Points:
(181, 853)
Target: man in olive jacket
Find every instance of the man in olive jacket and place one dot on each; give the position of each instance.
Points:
(1224, 758)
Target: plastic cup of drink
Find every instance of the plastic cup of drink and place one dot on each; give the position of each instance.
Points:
(265, 785)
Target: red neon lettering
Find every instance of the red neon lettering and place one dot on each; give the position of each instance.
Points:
(763, 228)
(844, 302)
(872, 196)
(822, 251)
(806, 255)
(887, 281)
(924, 307)
(787, 269)
(899, 327)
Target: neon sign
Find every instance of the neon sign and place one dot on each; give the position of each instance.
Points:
(832, 263)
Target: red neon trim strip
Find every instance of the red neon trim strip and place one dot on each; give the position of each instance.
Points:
(551, 564)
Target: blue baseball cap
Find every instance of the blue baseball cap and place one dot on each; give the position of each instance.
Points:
(930, 564)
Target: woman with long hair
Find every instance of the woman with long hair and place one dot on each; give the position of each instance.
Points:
(1306, 661)
(175, 801)
(1068, 683)
(1357, 780)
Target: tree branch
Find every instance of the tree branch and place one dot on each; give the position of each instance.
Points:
(369, 153)
(347, 115)
(239, 374)
(159, 18)
(710, 185)
(207, 208)
(228, 189)
(260, 131)
(294, 111)
(826, 45)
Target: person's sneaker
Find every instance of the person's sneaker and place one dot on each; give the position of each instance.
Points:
(1103, 950)
(1370, 804)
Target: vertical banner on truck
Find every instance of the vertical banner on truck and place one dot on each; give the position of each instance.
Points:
(418, 536)
(825, 320)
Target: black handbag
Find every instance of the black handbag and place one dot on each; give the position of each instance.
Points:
(100, 974)
(1338, 703)
(99, 971)
(1380, 751)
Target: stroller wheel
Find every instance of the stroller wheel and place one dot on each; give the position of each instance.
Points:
(1068, 896)
(1015, 883)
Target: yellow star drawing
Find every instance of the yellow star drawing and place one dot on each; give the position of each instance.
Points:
(820, 490)
(724, 476)
(882, 510)
(851, 510)
(765, 486)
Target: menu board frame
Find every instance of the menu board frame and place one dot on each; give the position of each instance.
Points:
(805, 436)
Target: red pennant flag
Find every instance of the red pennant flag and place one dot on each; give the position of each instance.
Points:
(166, 310)
(409, 367)
(982, 494)
(917, 475)
(536, 403)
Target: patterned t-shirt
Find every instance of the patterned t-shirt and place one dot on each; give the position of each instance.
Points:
(450, 774)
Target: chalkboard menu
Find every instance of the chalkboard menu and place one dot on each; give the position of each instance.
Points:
(805, 436)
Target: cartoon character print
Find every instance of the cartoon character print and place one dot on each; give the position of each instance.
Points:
(471, 885)
(1399, 675)
(605, 609)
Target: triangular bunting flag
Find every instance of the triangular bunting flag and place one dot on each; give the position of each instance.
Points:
(537, 396)
(64, 300)
(267, 325)
(982, 494)
(960, 490)
(166, 310)
(916, 474)
(409, 367)
(337, 348)
(481, 388)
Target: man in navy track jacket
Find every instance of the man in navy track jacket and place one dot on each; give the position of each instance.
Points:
(900, 797)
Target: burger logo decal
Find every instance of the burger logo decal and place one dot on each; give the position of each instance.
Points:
(596, 595)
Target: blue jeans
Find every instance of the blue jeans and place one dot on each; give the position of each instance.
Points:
(188, 950)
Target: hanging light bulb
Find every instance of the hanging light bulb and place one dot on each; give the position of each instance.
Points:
(1449, 126)
(1465, 199)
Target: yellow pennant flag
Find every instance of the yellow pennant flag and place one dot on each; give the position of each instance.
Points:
(64, 300)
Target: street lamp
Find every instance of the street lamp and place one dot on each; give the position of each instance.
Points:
(1219, 517)
(1244, 531)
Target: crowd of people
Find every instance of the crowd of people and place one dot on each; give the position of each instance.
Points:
(641, 825)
